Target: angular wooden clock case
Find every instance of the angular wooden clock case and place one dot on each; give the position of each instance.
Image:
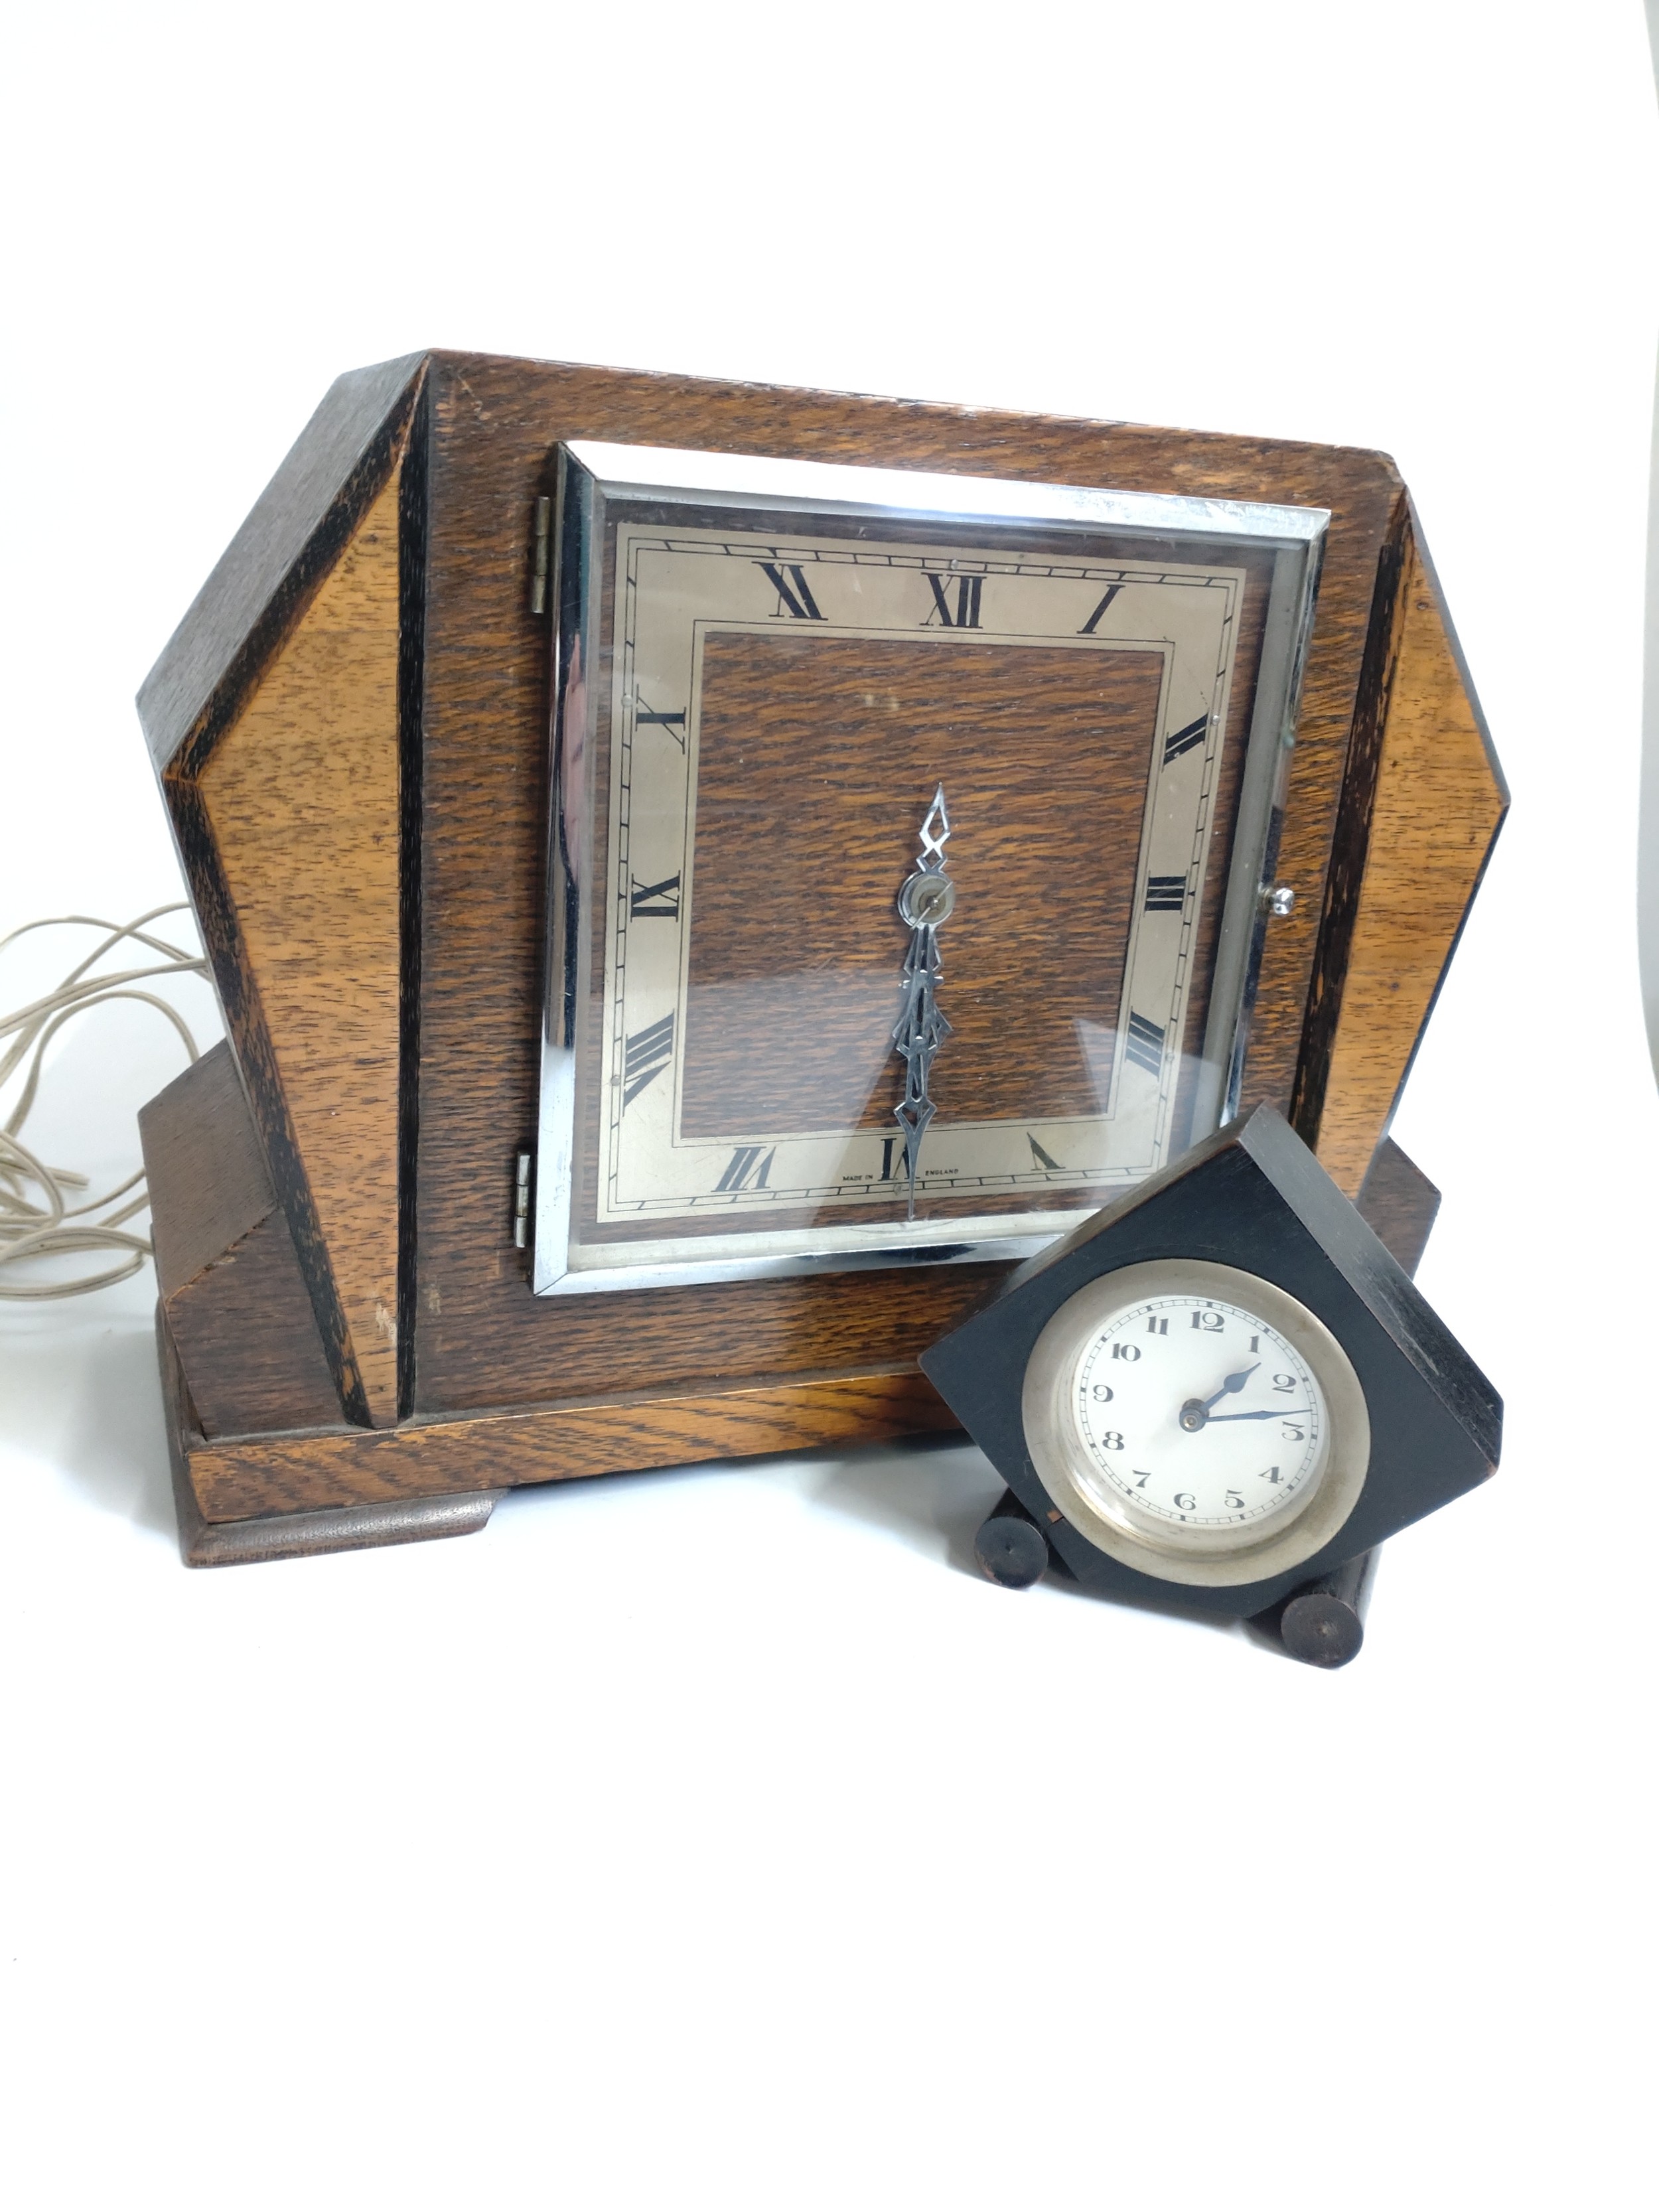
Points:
(350, 726)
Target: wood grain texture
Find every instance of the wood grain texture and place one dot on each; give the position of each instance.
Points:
(246, 1477)
(235, 1301)
(1037, 940)
(480, 1339)
(1439, 803)
(301, 800)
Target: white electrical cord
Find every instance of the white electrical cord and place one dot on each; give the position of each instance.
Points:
(46, 1226)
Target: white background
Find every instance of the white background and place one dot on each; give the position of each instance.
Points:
(720, 1837)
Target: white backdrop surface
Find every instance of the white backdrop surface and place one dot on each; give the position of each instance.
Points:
(720, 1837)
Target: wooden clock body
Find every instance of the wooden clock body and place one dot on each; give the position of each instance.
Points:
(351, 731)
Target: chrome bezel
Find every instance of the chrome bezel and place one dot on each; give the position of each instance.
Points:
(1209, 1558)
(561, 1267)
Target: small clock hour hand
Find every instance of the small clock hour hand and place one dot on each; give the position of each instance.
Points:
(1233, 1382)
(1195, 1414)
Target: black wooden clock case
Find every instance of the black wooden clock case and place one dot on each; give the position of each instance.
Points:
(1254, 1197)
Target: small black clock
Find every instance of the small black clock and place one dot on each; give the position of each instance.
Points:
(1221, 1387)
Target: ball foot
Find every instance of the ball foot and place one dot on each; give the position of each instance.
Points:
(1012, 1550)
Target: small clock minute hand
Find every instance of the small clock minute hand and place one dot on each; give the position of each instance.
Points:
(1267, 1413)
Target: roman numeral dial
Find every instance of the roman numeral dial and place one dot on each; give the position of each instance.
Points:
(829, 748)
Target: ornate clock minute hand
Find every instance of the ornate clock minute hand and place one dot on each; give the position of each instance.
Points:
(924, 902)
(1267, 1413)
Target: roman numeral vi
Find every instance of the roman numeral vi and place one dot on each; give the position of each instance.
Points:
(748, 1167)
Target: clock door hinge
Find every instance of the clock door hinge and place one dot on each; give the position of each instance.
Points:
(522, 1201)
(538, 574)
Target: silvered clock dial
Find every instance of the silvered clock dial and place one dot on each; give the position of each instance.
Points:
(769, 677)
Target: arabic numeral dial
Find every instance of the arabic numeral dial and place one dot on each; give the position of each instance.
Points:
(1197, 1420)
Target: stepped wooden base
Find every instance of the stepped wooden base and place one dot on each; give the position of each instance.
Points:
(338, 1488)
(203, 1543)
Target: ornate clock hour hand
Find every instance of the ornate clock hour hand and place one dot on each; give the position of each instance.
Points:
(924, 902)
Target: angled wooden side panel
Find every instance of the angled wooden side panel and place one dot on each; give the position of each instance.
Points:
(1440, 801)
(255, 659)
(300, 797)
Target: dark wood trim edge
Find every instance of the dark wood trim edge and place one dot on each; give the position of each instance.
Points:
(412, 518)
(1351, 841)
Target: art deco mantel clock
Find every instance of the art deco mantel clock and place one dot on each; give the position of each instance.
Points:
(702, 881)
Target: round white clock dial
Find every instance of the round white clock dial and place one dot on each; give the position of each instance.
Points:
(1196, 1421)
(1198, 1414)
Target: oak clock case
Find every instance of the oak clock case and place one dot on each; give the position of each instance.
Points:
(922, 918)
(906, 856)
(1221, 1387)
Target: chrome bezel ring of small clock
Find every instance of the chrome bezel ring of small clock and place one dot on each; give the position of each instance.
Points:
(1214, 1560)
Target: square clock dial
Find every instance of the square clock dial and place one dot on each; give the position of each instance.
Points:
(907, 852)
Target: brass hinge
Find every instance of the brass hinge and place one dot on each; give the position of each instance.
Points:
(538, 574)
